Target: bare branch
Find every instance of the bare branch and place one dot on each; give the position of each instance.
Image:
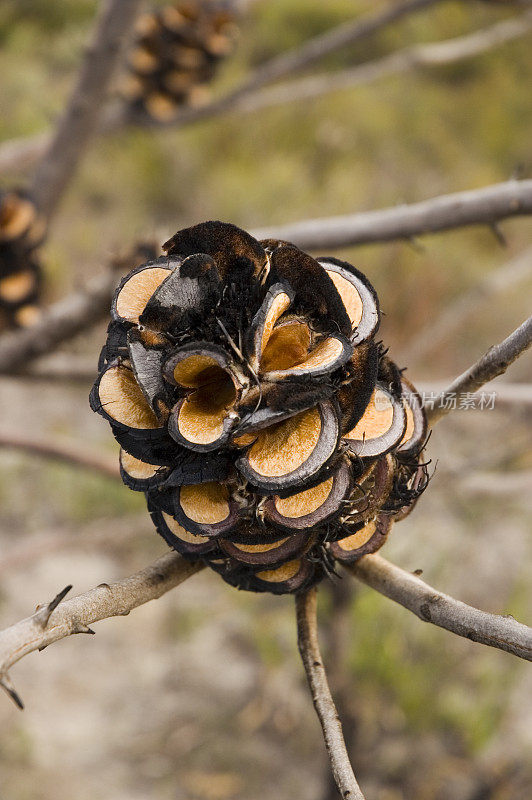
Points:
(430, 605)
(61, 321)
(477, 207)
(406, 60)
(74, 454)
(438, 331)
(59, 367)
(21, 153)
(493, 363)
(307, 639)
(506, 394)
(84, 109)
(79, 613)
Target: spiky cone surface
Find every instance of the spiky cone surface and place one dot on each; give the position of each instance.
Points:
(22, 230)
(175, 54)
(270, 432)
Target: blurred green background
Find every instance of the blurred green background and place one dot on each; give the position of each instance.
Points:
(201, 694)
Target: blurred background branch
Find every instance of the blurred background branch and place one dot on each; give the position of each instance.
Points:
(484, 206)
(84, 109)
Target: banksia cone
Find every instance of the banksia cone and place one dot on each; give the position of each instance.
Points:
(270, 432)
(22, 229)
(175, 54)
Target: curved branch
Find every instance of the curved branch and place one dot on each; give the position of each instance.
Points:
(493, 363)
(85, 107)
(484, 206)
(73, 454)
(406, 60)
(430, 605)
(307, 639)
(62, 618)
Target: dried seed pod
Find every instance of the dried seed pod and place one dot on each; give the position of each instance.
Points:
(292, 577)
(203, 420)
(370, 494)
(358, 297)
(206, 508)
(312, 507)
(270, 433)
(22, 229)
(292, 452)
(367, 540)
(416, 422)
(330, 354)
(137, 287)
(380, 428)
(176, 52)
(271, 554)
(188, 544)
(277, 301)
(139, 475)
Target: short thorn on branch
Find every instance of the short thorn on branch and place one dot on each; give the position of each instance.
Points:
(64, 617)
(43, 613)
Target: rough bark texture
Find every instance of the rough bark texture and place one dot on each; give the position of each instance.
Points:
(430, 605)
(307, 638)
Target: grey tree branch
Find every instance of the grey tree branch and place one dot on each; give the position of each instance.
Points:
(76, 455)
(64, 319)
(84, 109)
(493, 363)
(439, 331)
(307, 639)
(406, 60)
(62, 618)
(506, 394)
(430, 605)
(485, 206)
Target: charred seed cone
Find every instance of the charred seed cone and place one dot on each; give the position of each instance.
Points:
(270, 432)
(176, 53)
(22, 229)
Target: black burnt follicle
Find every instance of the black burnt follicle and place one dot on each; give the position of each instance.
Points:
(271, 435)
(174, 56)
(22, 230)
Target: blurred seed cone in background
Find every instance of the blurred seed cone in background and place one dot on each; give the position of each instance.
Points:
(175, 54)
(22, 230)
(270, 432)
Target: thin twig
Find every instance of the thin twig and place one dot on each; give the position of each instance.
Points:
(406, 60)
(307, 639)
(483, 206)
(63, 320)
(493, 363)
(73, 454)
(85, 107)
(504, 394)
(79, 613)
(430, 605)
(63, 367)
(438, 331)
